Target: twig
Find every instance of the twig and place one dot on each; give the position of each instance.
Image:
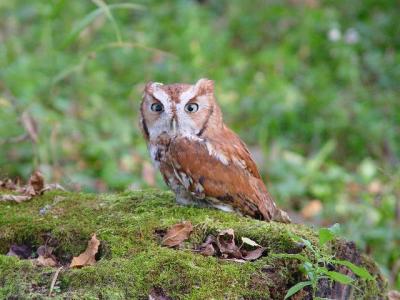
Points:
(53, 281)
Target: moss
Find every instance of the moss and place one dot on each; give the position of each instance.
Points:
(132, 262)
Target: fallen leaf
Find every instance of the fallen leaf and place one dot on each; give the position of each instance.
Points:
(253, 254)
(87, 258)
(35, 184)
(177, 234)
(8, 184)
(207, 248)
(46, 261)
(21, 251)
(46, 258)
(224, 247)
(226, 244)
(312, 209)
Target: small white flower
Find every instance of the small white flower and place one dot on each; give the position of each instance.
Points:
(351, 36)
(334, 34)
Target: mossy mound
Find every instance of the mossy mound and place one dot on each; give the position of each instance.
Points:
(131, 261)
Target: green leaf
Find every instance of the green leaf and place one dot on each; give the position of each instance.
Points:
(339, 277)
(359, 271)
(328, 234)
(294, 289)
(325, 235)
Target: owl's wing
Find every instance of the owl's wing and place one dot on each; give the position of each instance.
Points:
(209, 171)
(237, 151)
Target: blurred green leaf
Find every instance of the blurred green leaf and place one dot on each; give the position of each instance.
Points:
(360, 271)
(328, 234)
(297, 287)
(339, 277)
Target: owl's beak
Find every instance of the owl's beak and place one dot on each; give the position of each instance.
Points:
(174, 124)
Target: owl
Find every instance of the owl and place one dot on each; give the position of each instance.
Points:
(201, 160)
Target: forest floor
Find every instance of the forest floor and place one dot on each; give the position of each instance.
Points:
(132, 263)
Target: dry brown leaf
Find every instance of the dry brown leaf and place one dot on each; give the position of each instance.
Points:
(8, 184)
(30, 126)
(253, 254)
(46, 258)
(177, 234)
(87, 258)
(313, 208)
(46, 261)
(36, 183)
(207, 248)
(226, 244)
(224, 247)
(34, 187)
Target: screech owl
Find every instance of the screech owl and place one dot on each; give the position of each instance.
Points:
(200, 158)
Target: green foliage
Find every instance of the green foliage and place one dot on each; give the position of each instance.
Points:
(356, 269)
(316, 268)
(296, 288)
(328, 234)
(311, 86)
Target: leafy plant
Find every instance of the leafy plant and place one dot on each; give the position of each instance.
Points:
(321, 268)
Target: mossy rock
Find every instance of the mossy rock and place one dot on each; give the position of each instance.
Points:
(132, 263)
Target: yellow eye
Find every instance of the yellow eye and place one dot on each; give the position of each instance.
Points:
(157, 107)
(191, 107)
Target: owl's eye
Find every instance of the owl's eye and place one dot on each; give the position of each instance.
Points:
(191, 107)
(158, 107)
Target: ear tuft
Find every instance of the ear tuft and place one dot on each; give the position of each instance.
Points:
(204, 86)
(147, 88)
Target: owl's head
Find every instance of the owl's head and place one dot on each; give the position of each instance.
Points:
(179, 109)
